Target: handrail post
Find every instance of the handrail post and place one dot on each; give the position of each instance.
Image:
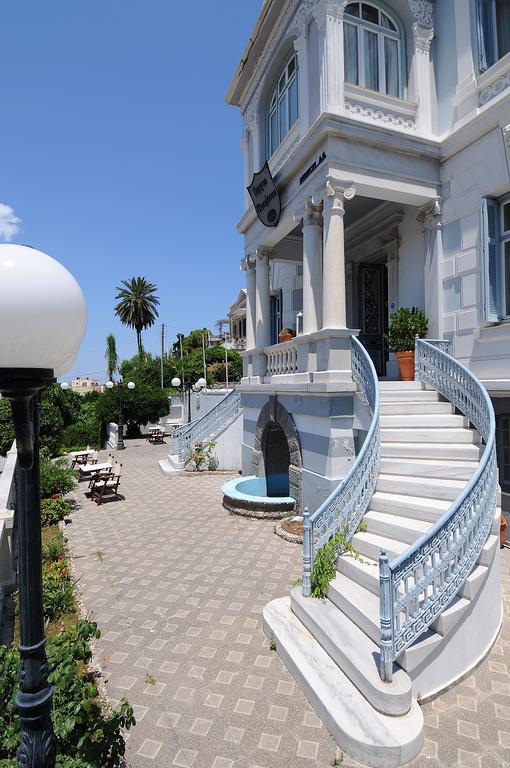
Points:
(416, 359)
(307, 553)
(386, 660)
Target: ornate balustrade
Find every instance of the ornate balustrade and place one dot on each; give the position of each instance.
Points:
(208, 424)
(282, 358)
(343, 510)
(417, 586)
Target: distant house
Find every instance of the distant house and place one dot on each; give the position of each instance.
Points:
(82, 386)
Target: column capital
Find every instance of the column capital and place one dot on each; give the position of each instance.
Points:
(332, 194)
(423, 12)
(309, 214)
(430, 214)
(248, 263)
(329, 8)
(423, 37)
(263, 255)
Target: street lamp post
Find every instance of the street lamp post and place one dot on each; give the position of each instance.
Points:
(42, 322)
(198, 387)
(118, 387)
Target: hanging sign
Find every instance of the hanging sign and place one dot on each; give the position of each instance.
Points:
(266, 198)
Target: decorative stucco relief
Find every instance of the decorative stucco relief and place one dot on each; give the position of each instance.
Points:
(380, 117)
(423, 12)
(492, 90)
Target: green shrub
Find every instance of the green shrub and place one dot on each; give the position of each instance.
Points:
(87, 736)
(406, 324)
(53, 511)
(54, 548)
(200, 454)
(58, 597)
(56, 476)
(324, 564)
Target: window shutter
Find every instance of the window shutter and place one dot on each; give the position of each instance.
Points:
(490, 258)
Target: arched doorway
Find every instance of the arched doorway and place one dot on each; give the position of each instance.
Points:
(276, 460)
(276, 428)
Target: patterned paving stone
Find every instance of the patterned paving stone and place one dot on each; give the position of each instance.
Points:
(177, 586)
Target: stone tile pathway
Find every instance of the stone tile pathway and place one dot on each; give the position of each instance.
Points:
(177, 586)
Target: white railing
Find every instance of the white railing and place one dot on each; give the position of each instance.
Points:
(282, 358)
(7, 501)
(417, 586)
(208, 424)
(343, 510)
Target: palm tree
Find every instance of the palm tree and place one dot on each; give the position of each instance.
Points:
(112, 359)
(137, 305)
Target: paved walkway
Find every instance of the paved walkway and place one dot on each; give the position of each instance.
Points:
(177, 586)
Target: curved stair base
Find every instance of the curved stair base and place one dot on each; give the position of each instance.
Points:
(378, 740)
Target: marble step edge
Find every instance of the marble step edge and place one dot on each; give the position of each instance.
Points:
(354, 653)
(377, 740)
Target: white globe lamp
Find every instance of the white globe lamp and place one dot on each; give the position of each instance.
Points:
(109, 385)
(131, 385)
(176, 382)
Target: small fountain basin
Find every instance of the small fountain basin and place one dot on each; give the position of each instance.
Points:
(247, 496)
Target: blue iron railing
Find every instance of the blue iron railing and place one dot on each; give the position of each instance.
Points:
(343, 510)
(208, 424)
(417, 586)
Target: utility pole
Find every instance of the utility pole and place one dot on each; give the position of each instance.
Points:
(162, 351)
(226, 368)
(205, 368)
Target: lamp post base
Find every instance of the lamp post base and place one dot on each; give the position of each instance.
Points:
(120, 438)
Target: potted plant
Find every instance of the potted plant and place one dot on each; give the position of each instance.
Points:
(406, 324)
(286, 334)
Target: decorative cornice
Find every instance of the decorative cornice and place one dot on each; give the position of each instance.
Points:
(423, 12)
(299, 17)
(492, 90)
(378, 116)
(429, 213)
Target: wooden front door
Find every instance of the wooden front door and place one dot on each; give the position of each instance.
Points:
(373, 290)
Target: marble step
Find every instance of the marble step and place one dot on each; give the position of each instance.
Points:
(405, 529)
(430, 468)
(412, 395)
(449, 451)
(369, 545)
(354, 652)
(423, 421)
(447, 436)
(409, 506)
(428, 488)
(412, 407)
(398, 386)
(378, 740)
(363, 608)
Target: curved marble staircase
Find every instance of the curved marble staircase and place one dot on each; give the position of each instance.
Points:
(428, 454)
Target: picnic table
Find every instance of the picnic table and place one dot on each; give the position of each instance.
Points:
(80, 457)
(84, 452)
(89, 471)
(156, 435)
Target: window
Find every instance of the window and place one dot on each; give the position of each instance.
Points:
(372, 49)
(283, 106)
(496, 257)
(493, 31)
(503, 450)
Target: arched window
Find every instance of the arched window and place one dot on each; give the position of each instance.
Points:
(372, 48)
(283, 105)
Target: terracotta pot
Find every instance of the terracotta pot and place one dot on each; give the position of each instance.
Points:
(285, 337)
(406, 365)
(502, 530)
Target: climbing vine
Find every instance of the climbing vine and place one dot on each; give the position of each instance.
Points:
(324, 564)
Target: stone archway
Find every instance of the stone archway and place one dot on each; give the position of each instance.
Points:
(272, 415)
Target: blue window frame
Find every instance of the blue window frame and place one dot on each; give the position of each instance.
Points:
(373, 56)
(283, 105)
(496, 257)
(493, 31)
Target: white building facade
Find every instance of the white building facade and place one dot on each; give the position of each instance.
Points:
(386, 126)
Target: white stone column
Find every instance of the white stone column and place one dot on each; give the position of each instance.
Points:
(262, 300)
(312, 268)
(430, 216)
(333, 268)
(423, 37)
(391, 251)
(248, 266)
(301, 48)
(329, 15)
(466, 93)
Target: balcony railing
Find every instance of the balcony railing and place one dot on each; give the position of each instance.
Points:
(282, 358)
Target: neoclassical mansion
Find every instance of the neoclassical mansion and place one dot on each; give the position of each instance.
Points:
(386, 126)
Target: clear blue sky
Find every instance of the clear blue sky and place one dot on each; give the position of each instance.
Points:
(120, 156)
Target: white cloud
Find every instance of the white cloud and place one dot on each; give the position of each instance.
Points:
(9, 223)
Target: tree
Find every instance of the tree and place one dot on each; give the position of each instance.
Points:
(147, 369)
(139, 407)
(190, 342)
(137, 306)
(6, 426)
(112, 359)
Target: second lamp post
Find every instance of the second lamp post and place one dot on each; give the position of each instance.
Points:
(118, 386)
